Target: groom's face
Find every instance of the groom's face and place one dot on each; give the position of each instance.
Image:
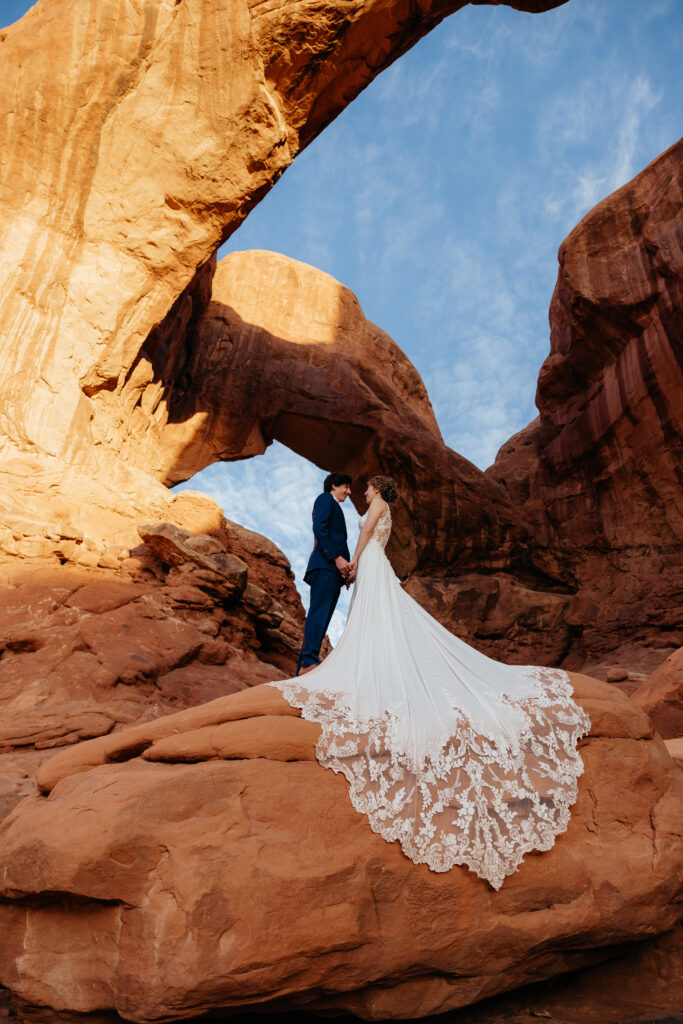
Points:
(341, 491)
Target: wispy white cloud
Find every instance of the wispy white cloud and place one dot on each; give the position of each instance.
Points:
(641, 101)
(612, 102)
(656, 9)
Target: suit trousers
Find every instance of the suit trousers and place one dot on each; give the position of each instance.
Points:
(325, 589)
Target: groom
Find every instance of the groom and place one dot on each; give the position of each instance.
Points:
(328, 566)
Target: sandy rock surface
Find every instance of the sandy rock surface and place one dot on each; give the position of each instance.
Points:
(161, 837)
(205, 609)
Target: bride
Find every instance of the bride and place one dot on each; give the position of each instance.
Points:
(458, 757)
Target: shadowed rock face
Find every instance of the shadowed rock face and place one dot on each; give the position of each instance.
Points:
(129, 156)
(160, 836)
(599, 473)
(661, 696)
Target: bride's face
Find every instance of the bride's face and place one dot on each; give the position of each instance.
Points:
(370, 493)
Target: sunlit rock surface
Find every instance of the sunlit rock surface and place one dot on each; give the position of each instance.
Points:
(113, 637)
(214, 838)
(128, 157)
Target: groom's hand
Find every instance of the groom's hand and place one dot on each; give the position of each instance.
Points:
(343, 565)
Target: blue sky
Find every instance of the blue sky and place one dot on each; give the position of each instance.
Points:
(440, 197)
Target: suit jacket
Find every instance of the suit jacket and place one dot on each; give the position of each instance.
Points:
(329, 531)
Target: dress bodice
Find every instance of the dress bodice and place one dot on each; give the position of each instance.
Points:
(382, 530)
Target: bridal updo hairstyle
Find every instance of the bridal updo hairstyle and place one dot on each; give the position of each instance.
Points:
(335, 479)
(386, 487)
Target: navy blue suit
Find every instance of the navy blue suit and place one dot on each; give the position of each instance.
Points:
(322, 575)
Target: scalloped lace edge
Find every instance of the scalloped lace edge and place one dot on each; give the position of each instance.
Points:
(474, 799)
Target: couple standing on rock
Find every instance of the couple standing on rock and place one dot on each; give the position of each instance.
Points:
(462, 759)
(329, 566)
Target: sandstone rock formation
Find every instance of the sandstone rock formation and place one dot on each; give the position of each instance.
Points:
(128, 157)
(661, 696)
(599, 472)
(494, 555)
(86, 649)
(121, 175)
(129, 361)
(159, 172)
(140, 165)
(335, 388)
(283, 352)
(644, 984)
(159, 836)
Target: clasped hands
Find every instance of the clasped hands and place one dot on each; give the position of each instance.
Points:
(347, 569)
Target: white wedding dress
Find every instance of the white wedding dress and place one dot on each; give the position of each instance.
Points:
(458, 757)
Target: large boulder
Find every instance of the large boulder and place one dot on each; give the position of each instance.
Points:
(207, 860)
(661, 696)
(92, 641)
(642, 985)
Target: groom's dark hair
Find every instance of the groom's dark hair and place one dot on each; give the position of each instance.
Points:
(334, 479)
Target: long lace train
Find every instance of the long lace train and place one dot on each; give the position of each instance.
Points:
(476, 801)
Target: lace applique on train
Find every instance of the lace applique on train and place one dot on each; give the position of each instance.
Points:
(471, 801)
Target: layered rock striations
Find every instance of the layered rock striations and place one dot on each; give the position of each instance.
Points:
(160, 836)
(192, 608)
(599, 473)
(661, 696)
(128, 157)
